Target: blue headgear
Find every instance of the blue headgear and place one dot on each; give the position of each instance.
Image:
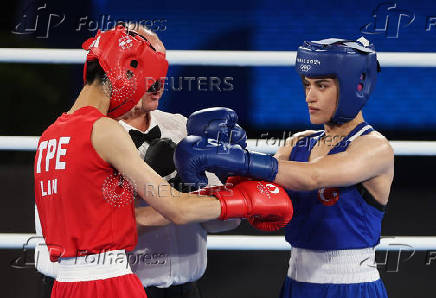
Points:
(353, 63)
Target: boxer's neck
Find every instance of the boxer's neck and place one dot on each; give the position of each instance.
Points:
(91, 95)
(334, 130)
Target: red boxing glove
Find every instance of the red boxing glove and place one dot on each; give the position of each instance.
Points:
(266, 205)
(232, 181)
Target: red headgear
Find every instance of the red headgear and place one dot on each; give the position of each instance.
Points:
(129, 61)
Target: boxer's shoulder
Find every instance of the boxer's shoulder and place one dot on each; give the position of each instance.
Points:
(284, 151)
(108, 136)
(376, 148)
(103, 125)
(290, 141)
(373, 141)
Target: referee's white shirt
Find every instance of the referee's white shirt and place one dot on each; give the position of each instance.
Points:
(172, 254)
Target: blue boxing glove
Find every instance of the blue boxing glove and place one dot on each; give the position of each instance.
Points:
(220, 124)
(217, 123)
(195, 154)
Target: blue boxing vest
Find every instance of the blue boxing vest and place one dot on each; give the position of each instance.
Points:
(353, 222)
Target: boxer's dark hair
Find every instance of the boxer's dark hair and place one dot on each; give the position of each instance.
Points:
(94, 71)
(328, 76)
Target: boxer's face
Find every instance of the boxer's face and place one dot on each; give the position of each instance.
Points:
(321, 98)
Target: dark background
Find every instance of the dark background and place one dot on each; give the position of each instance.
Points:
(268, 99)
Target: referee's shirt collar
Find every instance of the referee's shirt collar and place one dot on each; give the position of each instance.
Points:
(128, 127)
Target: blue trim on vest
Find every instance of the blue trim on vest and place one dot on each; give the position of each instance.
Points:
(295, 289)
(351, 223)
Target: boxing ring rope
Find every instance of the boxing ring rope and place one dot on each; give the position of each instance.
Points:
(405, 148)
(209, 58)
(241, 242)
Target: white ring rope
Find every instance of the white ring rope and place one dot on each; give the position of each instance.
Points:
(242, 242)
(209, 58)
(406, 148)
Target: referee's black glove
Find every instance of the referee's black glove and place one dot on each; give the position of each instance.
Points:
(159, 156)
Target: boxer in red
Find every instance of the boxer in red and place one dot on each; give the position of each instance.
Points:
(87, 171)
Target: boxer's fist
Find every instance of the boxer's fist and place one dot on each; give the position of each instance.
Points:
(217, 123)
(266, 205)
(194, 155)
(220, 124)
(233, 180)
(159, 156)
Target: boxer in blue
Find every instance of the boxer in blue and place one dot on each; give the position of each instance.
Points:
(338, 178)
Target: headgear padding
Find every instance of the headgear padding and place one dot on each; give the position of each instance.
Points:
(353, 63)
(129, 61)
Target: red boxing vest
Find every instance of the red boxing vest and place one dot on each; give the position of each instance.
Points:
(84, 206)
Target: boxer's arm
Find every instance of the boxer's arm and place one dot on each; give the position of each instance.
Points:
(215, 226)
(367, 157)
(114, 145)
(147, 216)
